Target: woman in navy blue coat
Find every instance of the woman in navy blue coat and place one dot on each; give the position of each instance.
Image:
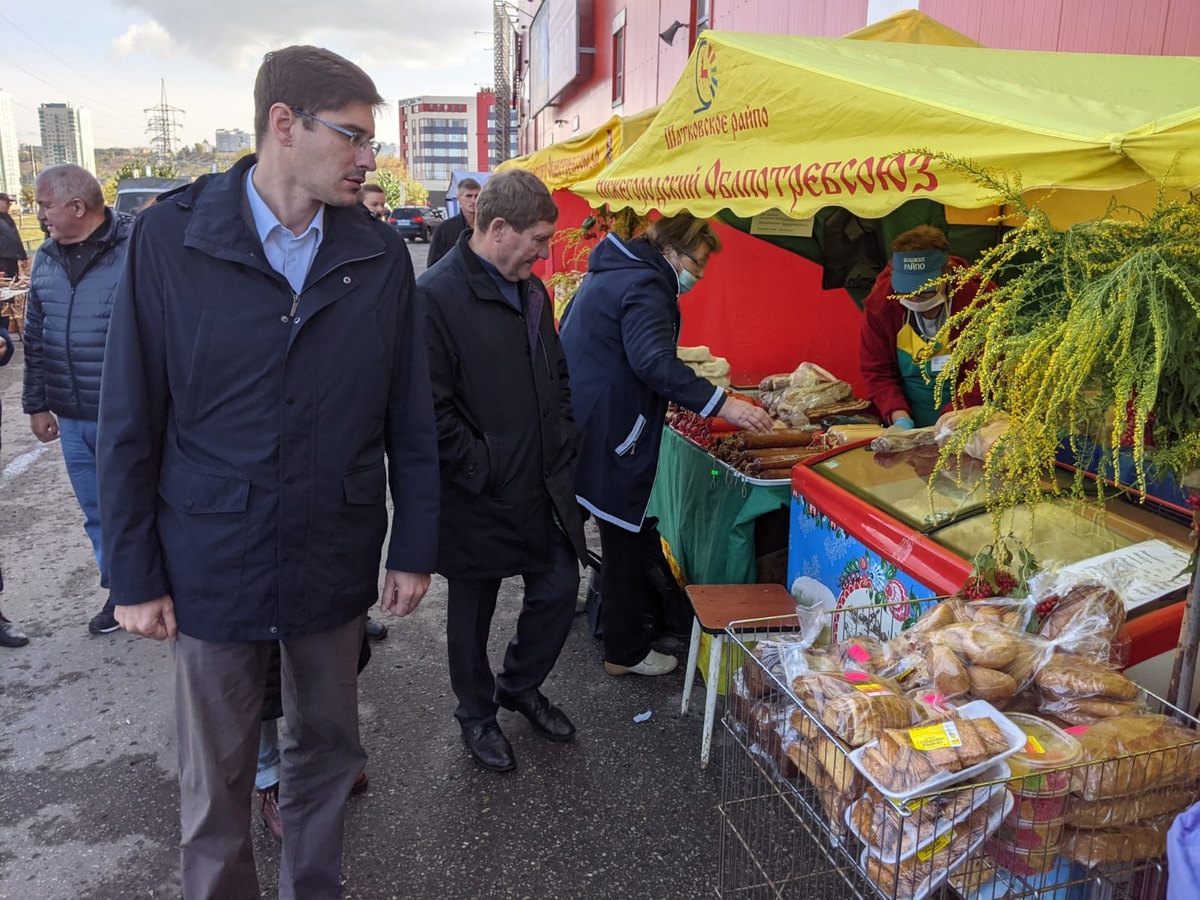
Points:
(620, 335)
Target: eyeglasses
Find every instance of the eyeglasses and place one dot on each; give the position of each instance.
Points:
(358, 140)
(699, 265)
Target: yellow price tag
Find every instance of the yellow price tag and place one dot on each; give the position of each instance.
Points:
(871, 689)
(935, 737)
(941, 843)
(1033, 745)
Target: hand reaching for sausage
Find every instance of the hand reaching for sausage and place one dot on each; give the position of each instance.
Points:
(745, 415)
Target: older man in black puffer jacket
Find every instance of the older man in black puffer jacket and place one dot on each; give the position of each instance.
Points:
(72, 286)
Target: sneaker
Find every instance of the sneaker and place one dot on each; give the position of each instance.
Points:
(103, 622)
(655, 663)
(268, 802)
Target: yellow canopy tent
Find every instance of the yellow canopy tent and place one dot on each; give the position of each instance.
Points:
(563, 165)
(759, 122)
(911, 26)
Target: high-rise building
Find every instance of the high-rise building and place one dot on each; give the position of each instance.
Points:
(67, 135)
(490, 155)
(234, 140)
(10, 159)
(439, 135)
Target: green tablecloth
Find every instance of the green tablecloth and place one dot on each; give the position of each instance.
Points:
(707, 518)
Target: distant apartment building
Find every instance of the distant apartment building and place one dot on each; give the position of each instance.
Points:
(234, 140)
(439, 135)
(490, 152)
(67, 135)
(10, 159)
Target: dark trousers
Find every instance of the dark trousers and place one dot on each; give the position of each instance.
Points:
(626, 594)
(219, 690)
(542, 627)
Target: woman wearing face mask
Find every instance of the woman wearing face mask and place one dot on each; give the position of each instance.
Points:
(620, 334)
(897, 351)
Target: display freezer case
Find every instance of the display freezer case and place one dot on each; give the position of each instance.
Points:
(869, 528)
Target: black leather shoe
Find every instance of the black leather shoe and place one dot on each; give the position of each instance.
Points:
(490, 748)
(376, 631)
(11, 634)
(547, 719)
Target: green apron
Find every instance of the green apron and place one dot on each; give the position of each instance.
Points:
(923, 405)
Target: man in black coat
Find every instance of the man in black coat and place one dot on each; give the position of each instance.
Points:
(266, 387)
(508, 441)
(446, 235)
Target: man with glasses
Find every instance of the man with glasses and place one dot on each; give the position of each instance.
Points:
(266, 357)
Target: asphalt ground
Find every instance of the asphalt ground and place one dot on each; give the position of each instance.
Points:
(88, 791)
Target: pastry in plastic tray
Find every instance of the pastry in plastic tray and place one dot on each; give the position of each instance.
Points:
(904, 763)
(1114, 812)
(893, 831)
(1106, 846)
(1135, 754)
(924, 872)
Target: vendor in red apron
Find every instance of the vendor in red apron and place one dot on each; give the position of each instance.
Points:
(898, 355)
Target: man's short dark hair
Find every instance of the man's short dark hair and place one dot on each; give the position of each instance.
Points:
(518, 197)
(369, 188)
(312, 79)
(468, 184)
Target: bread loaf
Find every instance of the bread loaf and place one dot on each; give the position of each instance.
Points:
(1157, 753)
(1071, 676)
(857, 719)
(1104, 847)
(1115, 812)
(981, 644)
(991, 685)
(948, 674)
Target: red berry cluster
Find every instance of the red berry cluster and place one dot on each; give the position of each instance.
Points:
(691, 425)
(1047, 606)
(981, 586)
(1147, 432)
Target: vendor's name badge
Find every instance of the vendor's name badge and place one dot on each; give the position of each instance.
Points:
(937, 363)
(935, 737)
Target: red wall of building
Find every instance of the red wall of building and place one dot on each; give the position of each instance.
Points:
(484, 101)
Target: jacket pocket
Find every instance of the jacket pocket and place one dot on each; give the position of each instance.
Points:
(200, 493)
(365, 487)
(632, 438)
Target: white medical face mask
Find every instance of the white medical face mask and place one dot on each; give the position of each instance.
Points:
(917, 304)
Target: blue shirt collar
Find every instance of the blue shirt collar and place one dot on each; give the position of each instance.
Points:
(266, 221)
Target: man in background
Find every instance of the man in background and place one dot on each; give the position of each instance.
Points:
(373, 198)
(71, 291)
(508, 442)
(12, 248)
(447, 233)
(11, 634)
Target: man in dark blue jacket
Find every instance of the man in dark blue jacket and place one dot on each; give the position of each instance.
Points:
(266, 357)
(71, 290)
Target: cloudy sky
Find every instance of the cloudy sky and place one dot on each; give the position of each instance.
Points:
(110, 56)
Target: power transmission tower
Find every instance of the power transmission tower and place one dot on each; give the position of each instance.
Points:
(162, 128)
(503, 34)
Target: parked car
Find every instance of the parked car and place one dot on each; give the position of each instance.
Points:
(414, 222)
(135, 194)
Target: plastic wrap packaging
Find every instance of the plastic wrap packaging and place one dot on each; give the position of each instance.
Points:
(947, 672)
(1087, 621)
(1103, 847)
(1069, 677)
(1013, 613)
(894, 659)
(785, 657)
(1089, 710)
(900, 440)
(920, 874)
(1116, 812)
(856, 706)
(996, 662)
(1167, 755)
(829, 754)
(981, 441)
(892, 835)
(897, 766)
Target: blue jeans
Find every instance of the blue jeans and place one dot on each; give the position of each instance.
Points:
(268, 755)
(78, 438)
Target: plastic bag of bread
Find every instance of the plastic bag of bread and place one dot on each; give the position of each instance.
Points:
(829, 753)
(1115, 812)
(893, 659)
(1089, 710)
(947, 673)
(1107, 846)
(1134, 754)
(998, 662)
(1013, 613)
(1069, 676)
(1086, 621)
(780, 660)
(979, 643)
(855, 706)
